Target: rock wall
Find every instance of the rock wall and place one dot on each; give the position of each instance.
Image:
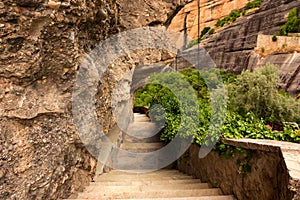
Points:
(271, 171)
(232, 46)
(288, 64)
(210, 12)
(149, 13)
(41, 44)
(41, 41)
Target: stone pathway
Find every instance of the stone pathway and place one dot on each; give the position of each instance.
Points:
(144, 184)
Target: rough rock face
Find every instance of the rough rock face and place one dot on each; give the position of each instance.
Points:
(41, 154)
(149, 13)
(289, 67)
(210, 12)
(233, 47)
(41, 43)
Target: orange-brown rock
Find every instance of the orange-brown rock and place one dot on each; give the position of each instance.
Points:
(210, 12)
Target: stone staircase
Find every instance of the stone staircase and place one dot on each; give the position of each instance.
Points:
(137, 183)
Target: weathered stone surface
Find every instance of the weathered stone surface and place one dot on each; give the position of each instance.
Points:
(149, 13)
(210, 12)
(42, 156)
(289, 67)
(268, 178)
(232, 46)
(41, 44)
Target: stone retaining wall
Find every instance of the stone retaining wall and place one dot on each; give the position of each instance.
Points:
(273, 173)
(265, 41)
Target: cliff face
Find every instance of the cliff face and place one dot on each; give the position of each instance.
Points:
(233, 47)
(210, 12)
(41, 154)
(41, 43)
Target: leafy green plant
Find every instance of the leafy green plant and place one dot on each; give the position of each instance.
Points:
(274, 38)
(284, 45)
(234, 14)
(211, 31)
(253, 100)
(292, 24)
(253, 4)
(220, 23)
(206, 30)
(257, 92)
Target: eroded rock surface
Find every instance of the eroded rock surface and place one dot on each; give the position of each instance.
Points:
(210, 12)
(41, 44)
(41, 41)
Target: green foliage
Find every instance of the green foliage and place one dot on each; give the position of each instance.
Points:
(253, 4)
(178, 103)
(253, 100)
(292, 25)
(194, 42)
(274, 38)
(211, 31)
(206, 30)
(257, 92)
(234, 14)
(220, 23)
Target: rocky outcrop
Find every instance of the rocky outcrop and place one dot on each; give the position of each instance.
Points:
(41, 44)
(41, 41)
(289, 67)
(210, 12)
(233, 45)
(149, 13)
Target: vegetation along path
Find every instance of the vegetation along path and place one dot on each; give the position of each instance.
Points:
(161, 184)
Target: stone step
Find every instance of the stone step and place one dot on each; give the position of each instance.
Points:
(125, 188)
(141, 147)
(148, 182)
(141, 118)
(223, 197)
(137, 178)
(145, 175)
(143, 129)
(131, 139)
(151, 194)
(161, 171)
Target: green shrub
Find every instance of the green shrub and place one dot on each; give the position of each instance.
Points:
(292, 25)
(211, 31)
(257, 92)
(220, 23)
(274, 38)
(234, 14)
(254, 99)
(253, 4)
(204, 31)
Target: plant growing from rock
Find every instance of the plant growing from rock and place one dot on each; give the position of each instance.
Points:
(292, 24)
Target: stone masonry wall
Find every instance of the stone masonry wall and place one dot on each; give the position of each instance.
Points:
(268, 177)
